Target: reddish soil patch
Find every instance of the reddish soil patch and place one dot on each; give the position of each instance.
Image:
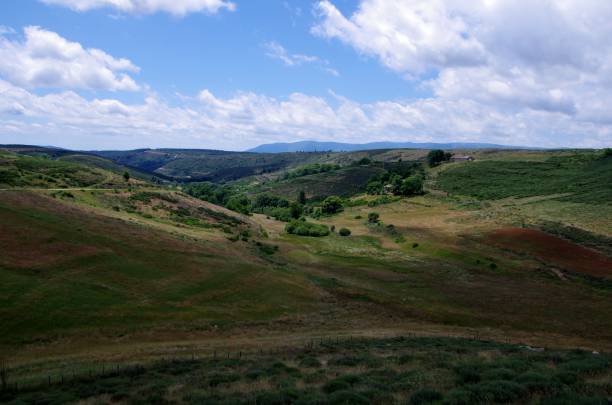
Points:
(554, 251)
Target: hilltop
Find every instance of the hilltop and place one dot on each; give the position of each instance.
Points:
(318, 146)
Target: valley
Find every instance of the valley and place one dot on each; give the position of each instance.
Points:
(107, 258)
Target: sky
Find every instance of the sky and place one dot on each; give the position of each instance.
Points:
(233, 74)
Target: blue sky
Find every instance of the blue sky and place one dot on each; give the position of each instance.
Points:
(213, 73)
(224, 53)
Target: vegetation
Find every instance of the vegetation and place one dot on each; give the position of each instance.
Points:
(401, 179)
(309, 169)
(359, 371)
(331, 205)
(89, 272)
(304, 228)
(344, 182)
(437, 156)
(577, 178)
(373, 217)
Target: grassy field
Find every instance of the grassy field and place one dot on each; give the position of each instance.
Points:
(98, 268)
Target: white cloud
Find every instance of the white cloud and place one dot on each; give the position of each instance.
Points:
(247, 119)
(512, 58)
(43, 59)
(174, 7)
(407, 36)
(276, 51)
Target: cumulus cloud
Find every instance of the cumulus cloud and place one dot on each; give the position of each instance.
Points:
(44, 59)
(512, 57)
(407, 36)
(276, 51)
(247, 119)
(174, 7)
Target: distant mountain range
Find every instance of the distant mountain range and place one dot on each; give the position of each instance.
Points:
(315, 146)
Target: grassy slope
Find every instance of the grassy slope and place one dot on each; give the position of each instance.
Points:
(569, 188)
(344, 182)
(69, 269)
(25, 171)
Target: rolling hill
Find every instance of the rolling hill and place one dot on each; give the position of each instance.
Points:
(317, 146)
(94, 268)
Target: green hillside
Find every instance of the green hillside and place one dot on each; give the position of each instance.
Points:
(344, 182)
(25, 171)
(581, 177)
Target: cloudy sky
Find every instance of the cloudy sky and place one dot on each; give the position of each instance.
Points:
(232, 74)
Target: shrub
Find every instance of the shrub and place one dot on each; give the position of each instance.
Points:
(373, 217)
(239, 203)
(303, 228)
(332, 205)
(347, 398)
(336, 385)
(412, 185)
(344, 232)
(425, 396)
(536, 382)
(497, 391)
(310, 362)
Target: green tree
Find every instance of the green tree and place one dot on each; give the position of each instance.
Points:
(437, 156)
(374, 187)
(302, 197)
(126, 176)
(295, 210)
(239, 203)
(332, 205)
(607, 152)
(412, 185)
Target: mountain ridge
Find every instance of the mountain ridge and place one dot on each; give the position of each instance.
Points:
(317, 146)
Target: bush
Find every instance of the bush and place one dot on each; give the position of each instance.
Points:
(336, 385)
(303, 228)
(310, 362)
(347, 398)
(344, 232)
(239, 203)
(373, 217)
(412, 185)
(332, 205)
(497, 391)
(425, 396)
